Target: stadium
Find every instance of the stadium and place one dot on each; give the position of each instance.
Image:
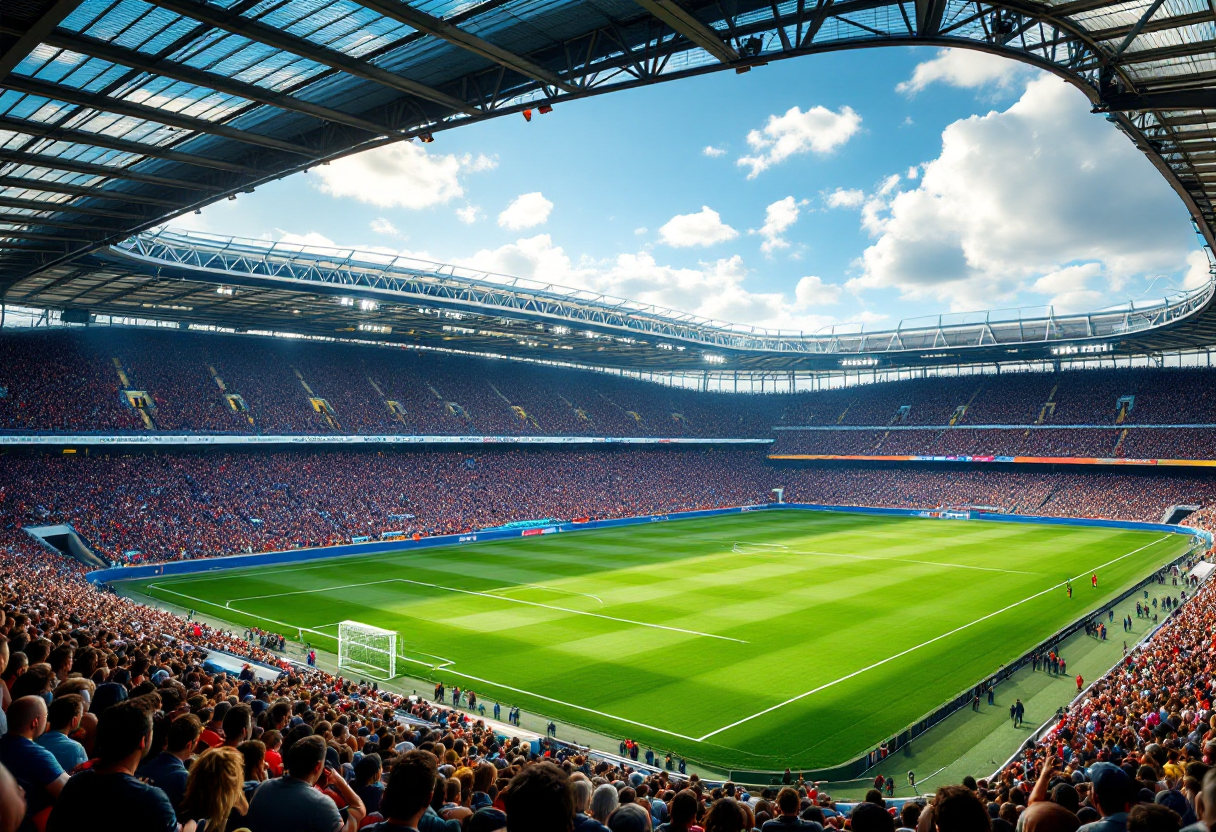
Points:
(298, 536)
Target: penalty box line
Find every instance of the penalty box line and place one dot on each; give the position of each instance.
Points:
(902, 653)
(446, 666)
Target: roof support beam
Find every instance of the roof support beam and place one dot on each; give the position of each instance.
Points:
(26, 219)
(108, 171)
(256, 30)
(109, 104)
(1181, 50)
(929, 17)
(65, 208)
(688, 25)
(1175, 100)
(66, 134)
(30, 39)
(1156, 25)
(66, 236)
(1140, 24)
(211, 80)
(404, 13)
(51, 186)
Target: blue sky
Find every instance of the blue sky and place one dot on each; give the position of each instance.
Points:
(855, 188)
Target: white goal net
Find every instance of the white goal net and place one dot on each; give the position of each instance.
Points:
(369, 650)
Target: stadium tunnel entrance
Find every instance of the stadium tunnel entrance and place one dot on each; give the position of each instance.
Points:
(65, 540)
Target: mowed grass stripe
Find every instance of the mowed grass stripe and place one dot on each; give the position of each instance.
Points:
(808, 620)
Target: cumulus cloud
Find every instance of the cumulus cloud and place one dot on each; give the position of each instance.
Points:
(380, 225)
(841, 198)
(469, 214)
(401, 175)
(714, 288)
(704, 228)
(311, 238)
(967, 69)
(778, 218)
(812, 291)
(818, 130)
(526, 211)
(713, 152)
(1033, 198)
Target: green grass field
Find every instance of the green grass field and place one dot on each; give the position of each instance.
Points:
(750, 641)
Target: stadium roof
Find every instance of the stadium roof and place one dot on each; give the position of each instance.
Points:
(321, 291)
(116, 115)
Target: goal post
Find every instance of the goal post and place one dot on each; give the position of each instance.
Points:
(365, 649)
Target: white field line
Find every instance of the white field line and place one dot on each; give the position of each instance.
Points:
(574, 612)
(503, 598)
(895, 559)
(902, 653)
(551, 589)
(448, 669)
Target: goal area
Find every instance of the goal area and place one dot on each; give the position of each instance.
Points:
(365, 649)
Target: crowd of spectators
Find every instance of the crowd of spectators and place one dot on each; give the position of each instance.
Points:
(147, 508)
(112, 718)
(68, 381)
(170, 506)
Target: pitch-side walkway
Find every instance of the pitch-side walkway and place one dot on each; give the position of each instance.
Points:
(974, 743)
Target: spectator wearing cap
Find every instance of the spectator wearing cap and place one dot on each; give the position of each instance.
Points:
(37, 771)
(630, 817)
(291, 804)
(63, 717)
(124, 733)
(1112, 797)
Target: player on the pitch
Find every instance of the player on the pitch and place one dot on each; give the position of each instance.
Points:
(1093, 580)
(1069, 585)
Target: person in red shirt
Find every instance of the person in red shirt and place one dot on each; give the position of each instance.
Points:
(1080, 683)
(213, 733)
(273, 741)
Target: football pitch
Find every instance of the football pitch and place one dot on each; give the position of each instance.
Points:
(744, 642)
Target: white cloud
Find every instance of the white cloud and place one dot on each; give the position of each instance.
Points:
(401, 175)
(380, 225)
(913, 172)
(965, 68)
(704, 228)
(812, 291)
(526, 211)
(469, 214)
(1017, 197)
(641, 231)
(714, 289)
(1198, 270)
(840, 198)
(312, 238)
(714, 152)
(818, 130)
(778, 218)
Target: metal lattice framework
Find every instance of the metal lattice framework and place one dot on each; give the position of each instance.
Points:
(323, 291)
(118, 114)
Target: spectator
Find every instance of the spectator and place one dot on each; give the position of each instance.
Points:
(214, 790)
(629, 817)
(167, 771)
(37, 771)
(124, 733)
(290, 803)
(957, 809)
(407, 796)
(539, 799)
(63, 718)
